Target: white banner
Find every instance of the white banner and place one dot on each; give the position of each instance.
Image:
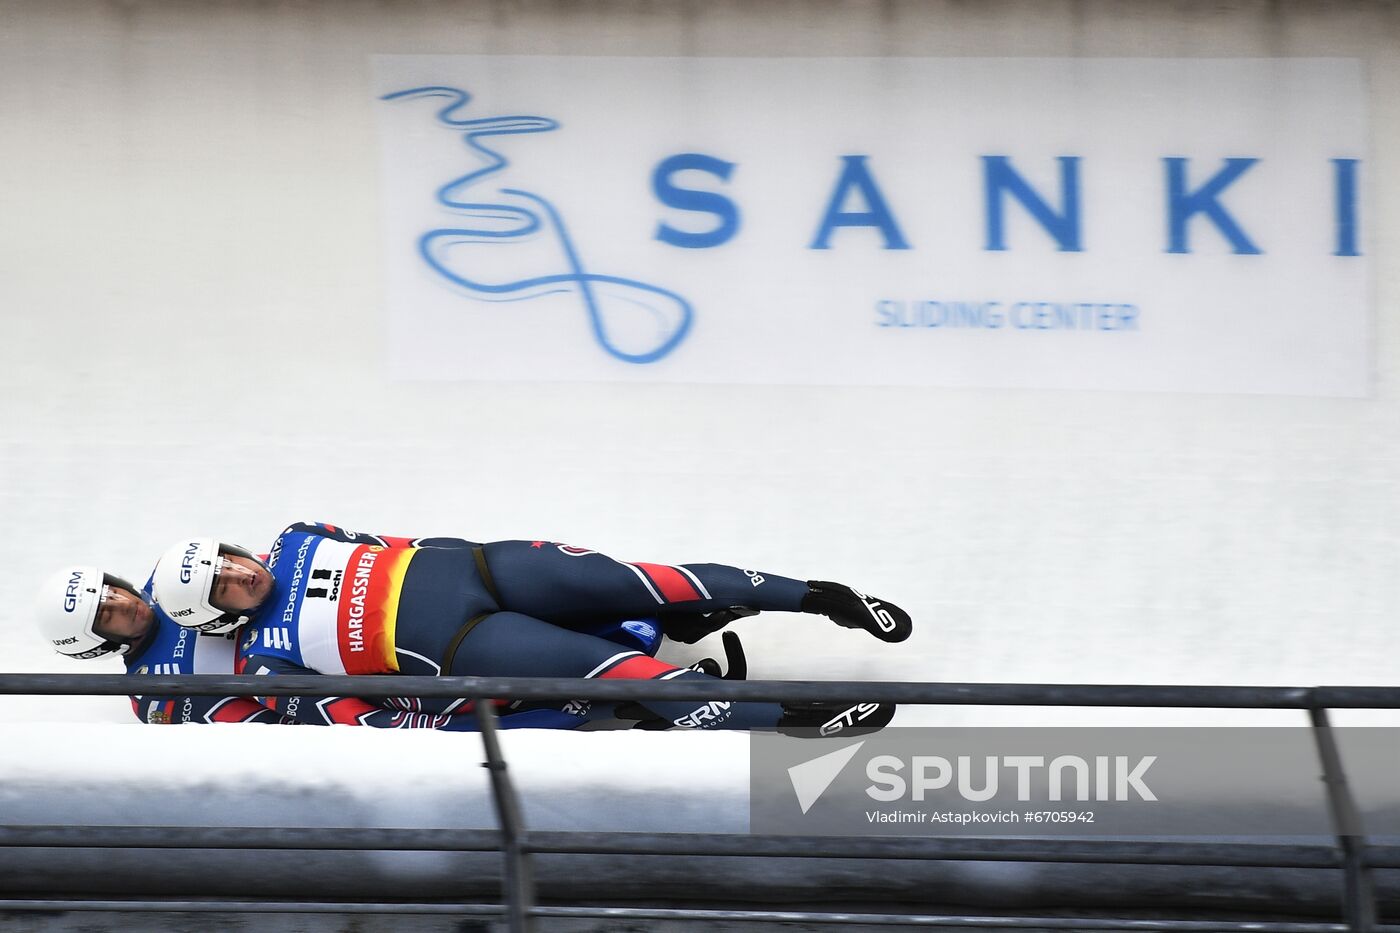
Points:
(1132, 224)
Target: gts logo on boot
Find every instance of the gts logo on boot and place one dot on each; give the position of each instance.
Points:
(848, 717)
(872, 606)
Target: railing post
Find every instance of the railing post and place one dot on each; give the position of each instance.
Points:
(1360, 896)
(519, 882)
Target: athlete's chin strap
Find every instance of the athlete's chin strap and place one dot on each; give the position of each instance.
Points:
(226, 623)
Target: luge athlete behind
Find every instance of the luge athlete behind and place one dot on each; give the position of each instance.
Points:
(86, 614)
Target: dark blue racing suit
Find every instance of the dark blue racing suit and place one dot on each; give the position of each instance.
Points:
(350, 603)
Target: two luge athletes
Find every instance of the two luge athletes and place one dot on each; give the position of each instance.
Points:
(331, 601)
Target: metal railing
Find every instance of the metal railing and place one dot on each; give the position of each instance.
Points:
(1351, 855)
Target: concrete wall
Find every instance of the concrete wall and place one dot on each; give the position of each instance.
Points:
(189, 271)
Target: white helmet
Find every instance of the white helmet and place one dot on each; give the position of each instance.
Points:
(184, 579)
(66, 610)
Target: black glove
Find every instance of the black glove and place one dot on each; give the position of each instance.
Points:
(734, 658)
(737, 664)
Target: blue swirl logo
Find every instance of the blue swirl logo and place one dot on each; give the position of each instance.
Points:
(634, 321)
